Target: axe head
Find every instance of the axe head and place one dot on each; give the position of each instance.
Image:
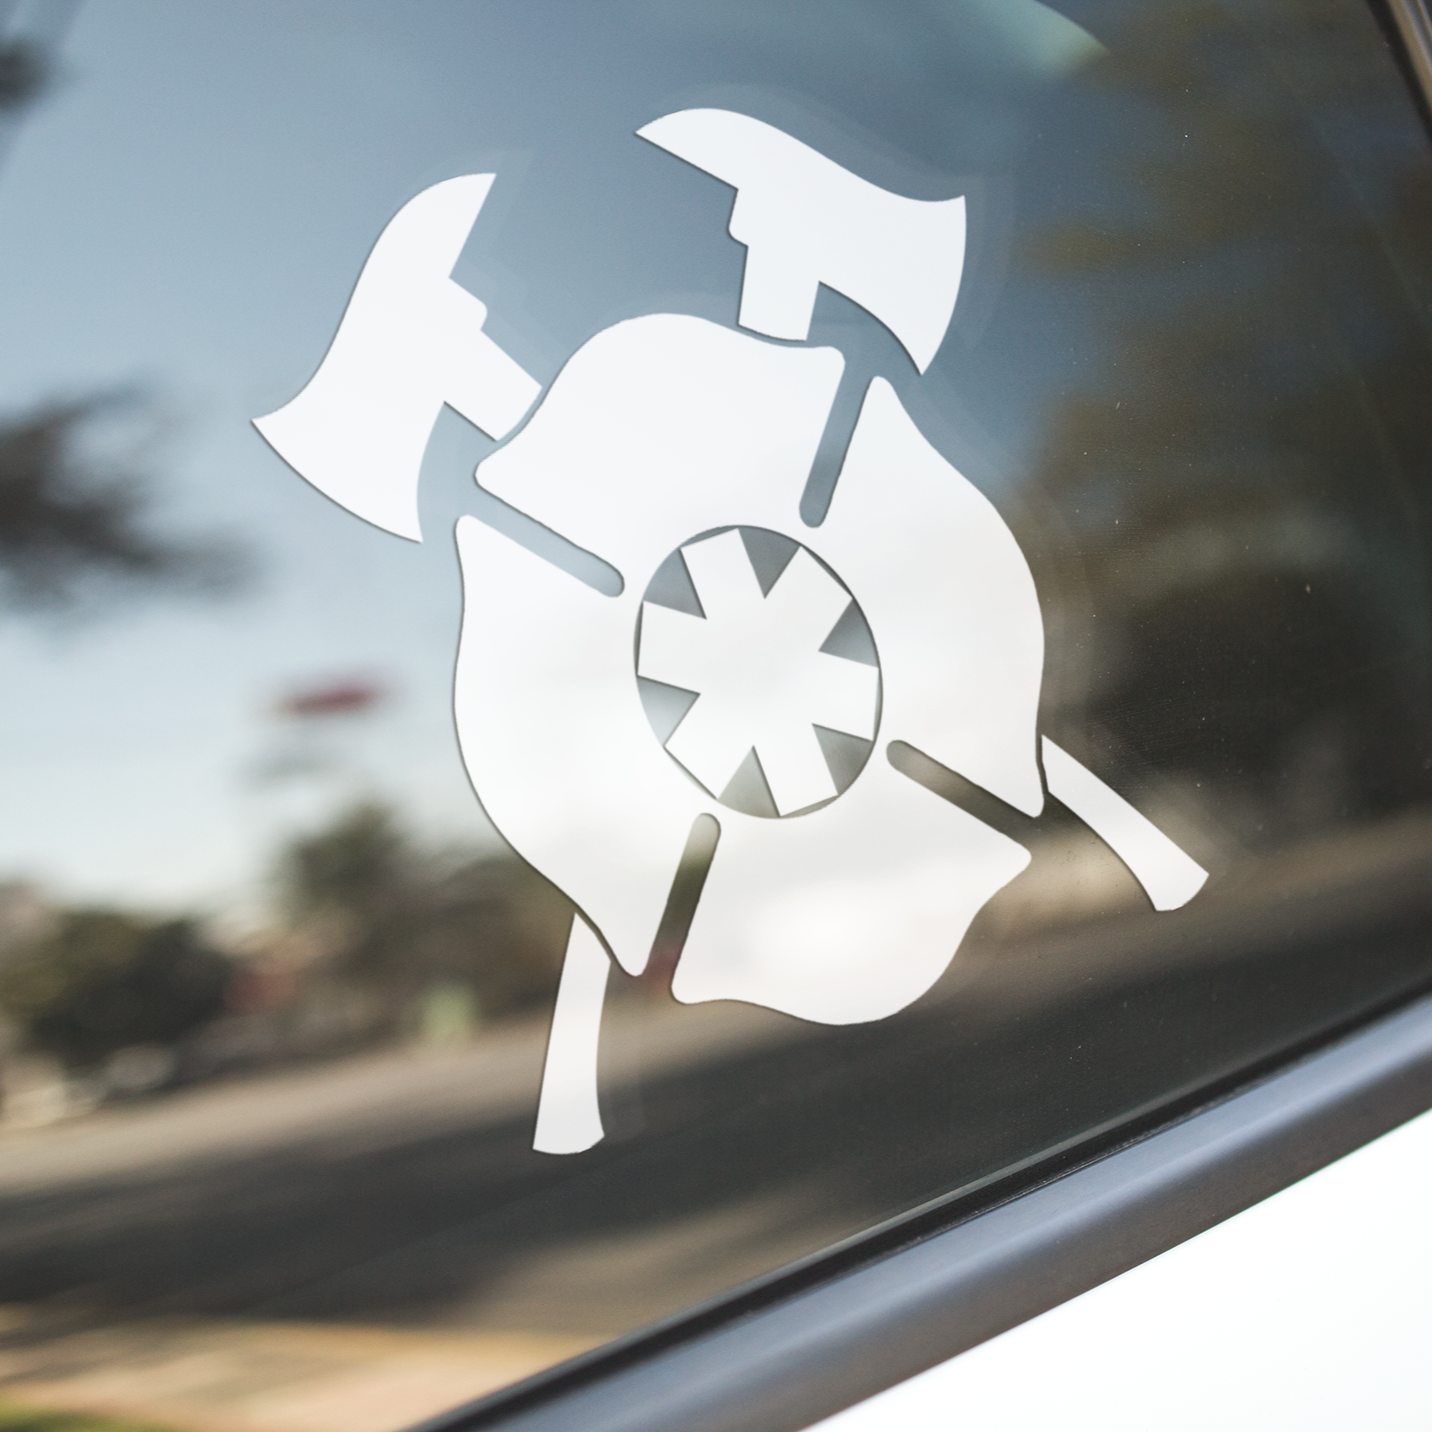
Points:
(806, 221)
(410, 340)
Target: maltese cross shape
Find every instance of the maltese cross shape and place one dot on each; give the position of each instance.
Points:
(746, 649)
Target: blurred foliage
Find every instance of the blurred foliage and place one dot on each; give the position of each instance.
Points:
(105, 980)
(409, 917)
(1241, 476)
(24, 74)
(15, 1417)
(383, 938)
(360, 865)
(70, 525)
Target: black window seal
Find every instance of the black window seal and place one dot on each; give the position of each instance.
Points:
(1407, 25)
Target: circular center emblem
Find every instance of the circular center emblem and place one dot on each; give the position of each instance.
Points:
(758, 671)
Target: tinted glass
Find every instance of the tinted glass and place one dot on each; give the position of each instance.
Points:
(1145, 539)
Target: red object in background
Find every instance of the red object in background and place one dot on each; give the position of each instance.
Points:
(334, 698)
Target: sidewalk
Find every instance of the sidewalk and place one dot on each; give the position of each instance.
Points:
(221, 1376)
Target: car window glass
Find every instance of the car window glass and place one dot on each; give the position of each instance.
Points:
(278, 988)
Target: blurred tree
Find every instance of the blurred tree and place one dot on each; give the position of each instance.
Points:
(104, 980)
(1241, 475)
(69, 527)
(361, 865)
(24, 74)
(410, 918)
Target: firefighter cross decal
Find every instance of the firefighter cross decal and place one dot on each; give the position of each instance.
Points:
(747, 651)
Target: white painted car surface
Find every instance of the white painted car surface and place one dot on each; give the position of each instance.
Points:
(1310, 1310)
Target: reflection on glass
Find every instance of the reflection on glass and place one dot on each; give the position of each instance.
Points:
(74, 534)
(277, 997)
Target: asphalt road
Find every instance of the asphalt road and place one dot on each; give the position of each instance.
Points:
(401, 1189)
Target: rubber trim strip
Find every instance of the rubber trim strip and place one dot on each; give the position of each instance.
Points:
(1406, 27)
(1414, 26)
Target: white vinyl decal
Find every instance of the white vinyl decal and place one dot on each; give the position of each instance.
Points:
(677, 450)
(410, 341)
(805, 221)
